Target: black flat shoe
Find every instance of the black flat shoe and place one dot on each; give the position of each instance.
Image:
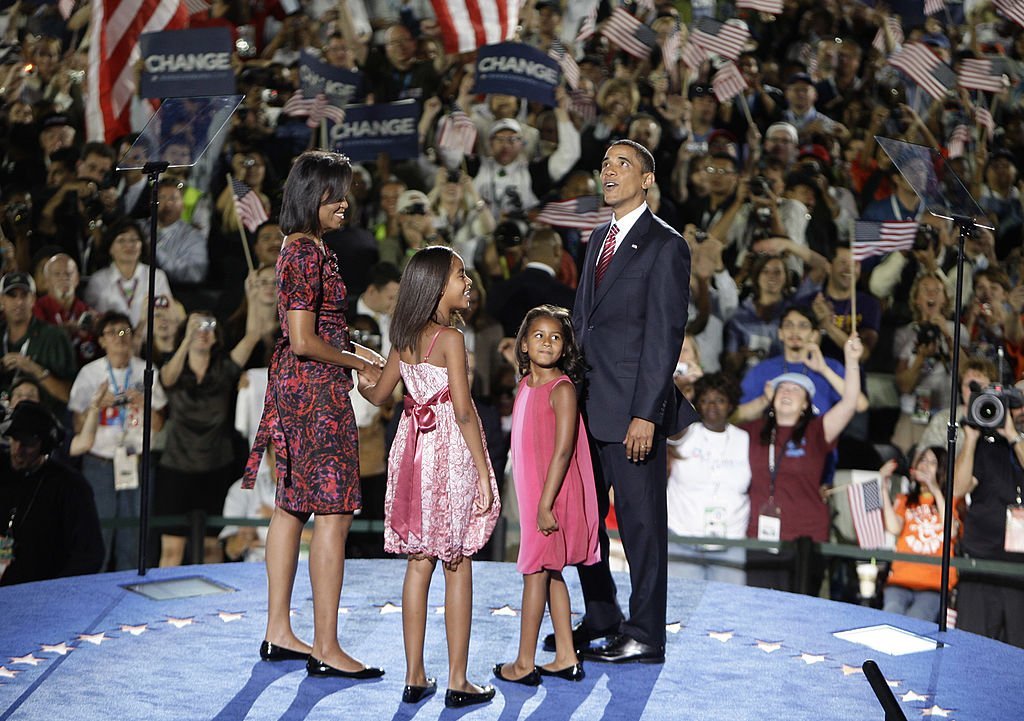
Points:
(458, 699)
(569, 673)
(316, 667)
(415, 694)
(530, 679)
(270, 652)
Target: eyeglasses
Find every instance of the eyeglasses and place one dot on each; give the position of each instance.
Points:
(128, 239)
(718, 171)
(796, 325)
(506, 139)
(118, 332)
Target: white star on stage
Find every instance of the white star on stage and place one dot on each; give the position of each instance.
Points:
(134, 630)
(894, 683)
(674, 627)
(911, 696)
(180, 622)
(28, 659)
(94, 638)
(722, 636)
(851, 670)
(7, 673)
(439, 611)
(227, 617)
(936, 711)
(810, 658)
(62, 648)
(505, 610)
(343, 609)
(768, 647)
(390, 608)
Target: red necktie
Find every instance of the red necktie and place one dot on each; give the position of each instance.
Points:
(607, 251)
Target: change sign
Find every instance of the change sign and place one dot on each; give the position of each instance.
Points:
(369, 130)
(186, 63)
(339, 85)
(516, 69)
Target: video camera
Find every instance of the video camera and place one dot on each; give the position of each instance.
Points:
(987, 407)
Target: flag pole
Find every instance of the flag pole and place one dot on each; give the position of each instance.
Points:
(853, 290)
(241, 228)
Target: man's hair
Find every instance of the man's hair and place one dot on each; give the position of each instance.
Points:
(95, 147)
(646, 159)
(383, 273)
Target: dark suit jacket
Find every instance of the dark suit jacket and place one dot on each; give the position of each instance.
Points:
(631, 329)
(510, 300)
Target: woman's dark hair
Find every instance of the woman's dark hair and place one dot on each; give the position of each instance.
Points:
(115, 229)
(799, 428)
(571, 363)
(317, 177)
(109, 318)
(914, 497)
(423, 284)
(760, 263)
(719, 382)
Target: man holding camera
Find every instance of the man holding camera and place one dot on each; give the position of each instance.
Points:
(990, 467)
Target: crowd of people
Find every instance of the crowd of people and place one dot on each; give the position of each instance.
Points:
(789, 331)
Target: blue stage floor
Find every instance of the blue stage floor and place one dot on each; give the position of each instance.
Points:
(85, 648)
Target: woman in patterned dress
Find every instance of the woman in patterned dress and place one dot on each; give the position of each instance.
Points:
(308, 418)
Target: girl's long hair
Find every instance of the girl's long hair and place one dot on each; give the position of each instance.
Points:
(419, 293)
(914, 496)
(799, 428)
(571, 363)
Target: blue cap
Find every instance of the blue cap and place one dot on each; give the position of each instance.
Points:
(799, 379)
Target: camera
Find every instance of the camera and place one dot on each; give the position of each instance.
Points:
(416, 209)
(19, 214)
(700, 235)
(453, 176)
(927, 237)
(207, 324)
(987, 407)
(512, 203)
(759, 186)
(120, 400)
(928, 333)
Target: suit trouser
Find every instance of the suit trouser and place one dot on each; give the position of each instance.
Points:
(642, 515)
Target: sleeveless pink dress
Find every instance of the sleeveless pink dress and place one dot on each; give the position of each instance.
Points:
(432, 479)
(575, 508)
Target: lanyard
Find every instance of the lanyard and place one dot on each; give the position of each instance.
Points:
(129, 294)
(24, 346)
(121, 414)
(773, 469)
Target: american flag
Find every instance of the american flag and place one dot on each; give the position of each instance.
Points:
(196, 6)
(957, 143)
(585, 212)
(933, 7)
(114, 30)
(322, 108)
(984, 118)
(629, 33)
(671, 50)
(66, 7)
(470, 24)
(248, 205)
(866, 508)
(583, 105)
(589, 24)
(982, 74)
(925, 68)
(872, 237)
(720, 38)
(297, 105)
(895, 28)
(772, 7)
(693, 55)
(456, 132)
(728, 82)
(1013, 9)
(565, 60)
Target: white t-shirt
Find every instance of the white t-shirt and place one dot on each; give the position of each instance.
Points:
(116, 422)
(107, 290)
(709, 476)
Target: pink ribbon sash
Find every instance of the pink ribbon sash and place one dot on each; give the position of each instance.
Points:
(407, 509)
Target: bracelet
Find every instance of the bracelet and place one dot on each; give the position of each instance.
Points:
(1018, 439)
(44, 375)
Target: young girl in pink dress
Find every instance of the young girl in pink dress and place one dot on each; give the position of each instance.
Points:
(554, 481)
(442, 499)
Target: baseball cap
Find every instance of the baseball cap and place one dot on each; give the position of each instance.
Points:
(410, 198)
(506, 124)
(818, 152)
(800, 78)
(799, 379)
(15, 280)
(29, 420)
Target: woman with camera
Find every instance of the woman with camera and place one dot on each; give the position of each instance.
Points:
(461, 212)
(198, 464)
(923, 360)
(753, 331)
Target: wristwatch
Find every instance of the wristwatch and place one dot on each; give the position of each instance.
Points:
(1017, 439)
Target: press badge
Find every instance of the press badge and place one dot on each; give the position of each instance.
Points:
(1014, 541)
(769, 524)
(126, 470)
(714, 522)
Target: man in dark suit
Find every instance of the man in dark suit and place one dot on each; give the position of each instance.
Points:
(510, 300)
(629, 318)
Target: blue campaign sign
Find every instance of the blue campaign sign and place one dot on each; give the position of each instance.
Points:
(516, 69)
(341, 86)
(370, 130)
(186, 63)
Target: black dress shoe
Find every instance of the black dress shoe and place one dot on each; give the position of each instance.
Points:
(316, 667)
(530, 679)
(415, 694)
(581, 637)
(458, 699)
(569, 673)
(270, 652)
(624, 649)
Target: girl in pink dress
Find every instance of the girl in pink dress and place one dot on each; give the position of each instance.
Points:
(554, 481)
(442, 499)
